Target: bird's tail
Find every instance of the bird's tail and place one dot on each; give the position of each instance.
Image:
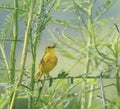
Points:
(37, 75)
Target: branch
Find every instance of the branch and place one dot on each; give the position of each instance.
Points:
(71, 78)
(103, 92)
(117, 28)
(108, 101)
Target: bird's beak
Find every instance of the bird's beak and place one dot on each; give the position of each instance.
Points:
(54, 45)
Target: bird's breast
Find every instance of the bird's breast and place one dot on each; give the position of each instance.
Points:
(49, 62)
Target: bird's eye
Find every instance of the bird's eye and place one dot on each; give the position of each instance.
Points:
(49, 47)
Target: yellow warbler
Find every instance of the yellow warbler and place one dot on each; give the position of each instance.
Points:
(47, 63)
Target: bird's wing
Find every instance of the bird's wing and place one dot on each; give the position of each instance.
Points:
(45, 60)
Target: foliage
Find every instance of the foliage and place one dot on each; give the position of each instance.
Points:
(97, 48)
(93, 46)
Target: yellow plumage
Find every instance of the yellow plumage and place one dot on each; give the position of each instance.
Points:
(47, 63)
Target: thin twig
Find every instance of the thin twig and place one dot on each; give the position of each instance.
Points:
(105, 10)
(64, 43)
(39, 91)
(25, 86)
(5, 59)
(82, 76)
(117, 28)
(18, 40)
(95, 89)
(109, 101)
(12, 8)
(103, 92)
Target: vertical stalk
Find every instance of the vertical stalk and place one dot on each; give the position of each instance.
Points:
(117, 60)
(90, 28)
(90, 31)
(118, 82)
(90, 96)
(31, 104)
(103, 91)
(13, 44)
(24, 53)
(33, 49)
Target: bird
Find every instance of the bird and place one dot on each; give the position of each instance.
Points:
(47, 63)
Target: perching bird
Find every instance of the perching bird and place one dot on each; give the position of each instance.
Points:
(47, 63)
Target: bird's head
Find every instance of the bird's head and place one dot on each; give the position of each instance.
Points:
(50, 49)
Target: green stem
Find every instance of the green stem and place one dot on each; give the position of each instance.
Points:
(24, 53)
(31, 103)
(116, 59)
(13, 44)
(33, 49)
(5, 59)
(118, 82)
(90, 33)
(88, 98)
